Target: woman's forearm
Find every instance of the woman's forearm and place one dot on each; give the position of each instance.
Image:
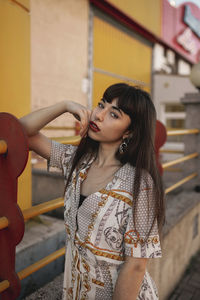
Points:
(129, 282)
(36, 120)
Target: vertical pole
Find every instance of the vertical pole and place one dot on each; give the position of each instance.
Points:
(192, 141)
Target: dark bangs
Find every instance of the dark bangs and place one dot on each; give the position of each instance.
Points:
(132, 100)
(124, 97)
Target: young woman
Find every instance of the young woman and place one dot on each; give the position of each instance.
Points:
(113, 206)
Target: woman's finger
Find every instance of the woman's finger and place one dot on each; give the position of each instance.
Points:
(83, 132)
(83, 116)
(84, 126)
(89, 115)
(86, 118)
(77, 117)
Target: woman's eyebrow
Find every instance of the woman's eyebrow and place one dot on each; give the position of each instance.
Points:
(118, 109)
(113, 107)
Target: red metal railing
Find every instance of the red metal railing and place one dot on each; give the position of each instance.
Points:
(13, 159)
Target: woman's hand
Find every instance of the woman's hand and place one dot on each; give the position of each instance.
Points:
(81, 113)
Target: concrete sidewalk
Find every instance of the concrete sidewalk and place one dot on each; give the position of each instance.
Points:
(189, 286)
(51, 291)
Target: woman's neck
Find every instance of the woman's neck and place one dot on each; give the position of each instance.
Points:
(106, 155)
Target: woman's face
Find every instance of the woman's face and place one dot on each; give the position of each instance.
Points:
(108, 123)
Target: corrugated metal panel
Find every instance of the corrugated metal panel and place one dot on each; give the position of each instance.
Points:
(147, 13)
(118, 57)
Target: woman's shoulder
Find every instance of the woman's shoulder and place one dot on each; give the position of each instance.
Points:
(128, 173)
(146, 180)
(61, 154)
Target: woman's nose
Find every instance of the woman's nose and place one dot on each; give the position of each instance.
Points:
(100, 115)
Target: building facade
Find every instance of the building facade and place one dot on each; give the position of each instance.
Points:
(80, 47)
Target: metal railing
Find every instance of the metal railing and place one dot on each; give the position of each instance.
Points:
(3, 147)
(181, 182)
(34, 267)
(59, 128)
(180, 160)
(59, 202)
(182, 132)
(173, 151)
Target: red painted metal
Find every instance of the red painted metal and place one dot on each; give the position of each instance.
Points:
(12, 165)
(160, 139)
(122, 18)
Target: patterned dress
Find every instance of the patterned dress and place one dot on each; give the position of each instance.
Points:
(100, 233)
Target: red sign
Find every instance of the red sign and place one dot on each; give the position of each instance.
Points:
(177, 33)
(185, 39)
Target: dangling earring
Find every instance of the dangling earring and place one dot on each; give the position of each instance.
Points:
(123, 146)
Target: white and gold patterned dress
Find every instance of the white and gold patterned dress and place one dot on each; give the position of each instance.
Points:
(100, 233)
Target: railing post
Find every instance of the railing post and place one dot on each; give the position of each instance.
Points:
(13, 159)
(192, 142)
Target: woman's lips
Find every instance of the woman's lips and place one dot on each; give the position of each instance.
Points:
(94, 126)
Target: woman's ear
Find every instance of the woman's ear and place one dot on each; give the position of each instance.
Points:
(128, 135)
(125, 136)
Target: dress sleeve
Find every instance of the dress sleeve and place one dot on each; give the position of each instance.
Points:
(61, 155)
(140, 240)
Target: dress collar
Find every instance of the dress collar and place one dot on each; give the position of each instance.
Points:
(85, 166)
(125, 171)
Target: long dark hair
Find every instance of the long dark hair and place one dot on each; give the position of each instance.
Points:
(140, 152)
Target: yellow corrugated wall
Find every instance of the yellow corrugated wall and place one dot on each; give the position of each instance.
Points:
(115, 51)
(145, 12)
(15, 73)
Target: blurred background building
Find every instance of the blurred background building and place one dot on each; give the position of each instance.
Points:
(78, 48)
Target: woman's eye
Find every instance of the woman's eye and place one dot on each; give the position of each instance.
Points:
(100, 105)
(114, 115)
